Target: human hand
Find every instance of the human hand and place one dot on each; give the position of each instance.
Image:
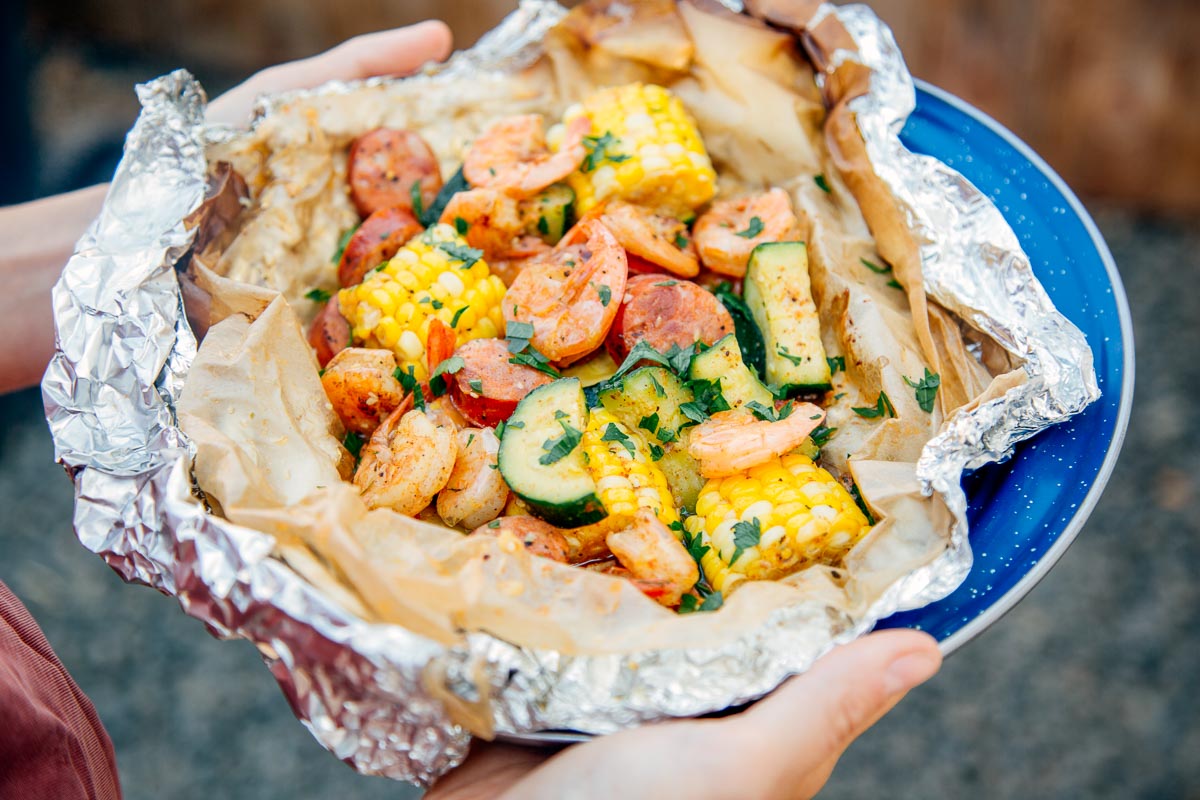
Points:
(40, 236)
(784, 747)
(395, 52)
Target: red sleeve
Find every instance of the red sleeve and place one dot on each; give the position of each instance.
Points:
(51, 741)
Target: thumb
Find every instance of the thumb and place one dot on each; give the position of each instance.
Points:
(810, 721)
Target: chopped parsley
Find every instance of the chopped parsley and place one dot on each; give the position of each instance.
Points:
(437, 381)
(543, 226)
(409, 383)
(418, 203)
(704, 599)
(462, 226)
(437, 304)
(658, 387)
(518, 335)
(560, 447)
(600, 149)
(745, 534)
(711, 602)
(878, 270)
(883, 408)
(895, 284)
(768, 413)
(708, 400)
(666, 435)
(649, 423)
(822, 183)
(470, 439)
(836, 364)
(457, 316)
(343, 240)
(681, 241)
(605, 294)
(530, 357)
(782, 351)
(667, 283)
(460, 252)
(476, 385)
(656, 452)
(753, 229)
(927, 389)
(494, 524)
(614, 434)
(318, 295)
(821, 435)
(353, 442)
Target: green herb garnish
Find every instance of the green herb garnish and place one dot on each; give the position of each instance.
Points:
(878, 270)
(927, 389)
(318, 295)
(836, 364)
(457, 316)
(883, 408)
(462, 226)
(560, 447)
(600, 149)
(753, 229)
(343, 240)
(460, 252)
(822, 183)
(418, 203)
(745, 534)
(353, 442)
(409, 383)
(614, 434)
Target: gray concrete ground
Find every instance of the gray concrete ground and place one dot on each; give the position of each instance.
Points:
(1089, 688)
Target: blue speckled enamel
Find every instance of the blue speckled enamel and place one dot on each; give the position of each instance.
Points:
(1020, 508)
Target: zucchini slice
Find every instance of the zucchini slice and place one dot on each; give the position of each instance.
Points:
(646, 396)
(555, 212)
(723, 362)
(647, 401)
(779, 295)
(542, 461)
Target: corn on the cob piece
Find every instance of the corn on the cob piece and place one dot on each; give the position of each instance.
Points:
(772, 520)
(644, 148)
(626, 477)
(434, 275)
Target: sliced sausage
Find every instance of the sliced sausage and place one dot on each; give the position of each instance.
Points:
(488, 387)
(384, 165)
(375, 241)
(665, 311)
(329, 333)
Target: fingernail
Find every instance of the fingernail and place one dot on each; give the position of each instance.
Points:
(910, 671)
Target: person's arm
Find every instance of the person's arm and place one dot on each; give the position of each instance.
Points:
(37, 239)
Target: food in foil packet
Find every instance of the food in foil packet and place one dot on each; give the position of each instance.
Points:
(623, 353)
(600, 341)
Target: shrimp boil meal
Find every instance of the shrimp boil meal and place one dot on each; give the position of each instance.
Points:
(566, 352)
(552, 352)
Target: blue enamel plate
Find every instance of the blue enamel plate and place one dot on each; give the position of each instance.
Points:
(1025, 513)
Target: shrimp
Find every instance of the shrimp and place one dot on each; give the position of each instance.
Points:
(661, 240)
(475, 492)
(499, 225)
(572, 296)
(512, 155)
(407, 461)
(655, 558)
(362, 387)
(731, 441)
(727, 232)
(540, 538)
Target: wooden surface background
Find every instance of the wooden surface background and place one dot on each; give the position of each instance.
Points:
(1108, 91)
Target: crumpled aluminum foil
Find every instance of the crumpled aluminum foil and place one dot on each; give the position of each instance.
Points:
(124, 348)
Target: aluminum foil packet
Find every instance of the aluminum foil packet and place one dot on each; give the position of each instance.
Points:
(384, 699)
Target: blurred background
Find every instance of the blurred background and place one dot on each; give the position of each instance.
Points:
(1090, 688)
